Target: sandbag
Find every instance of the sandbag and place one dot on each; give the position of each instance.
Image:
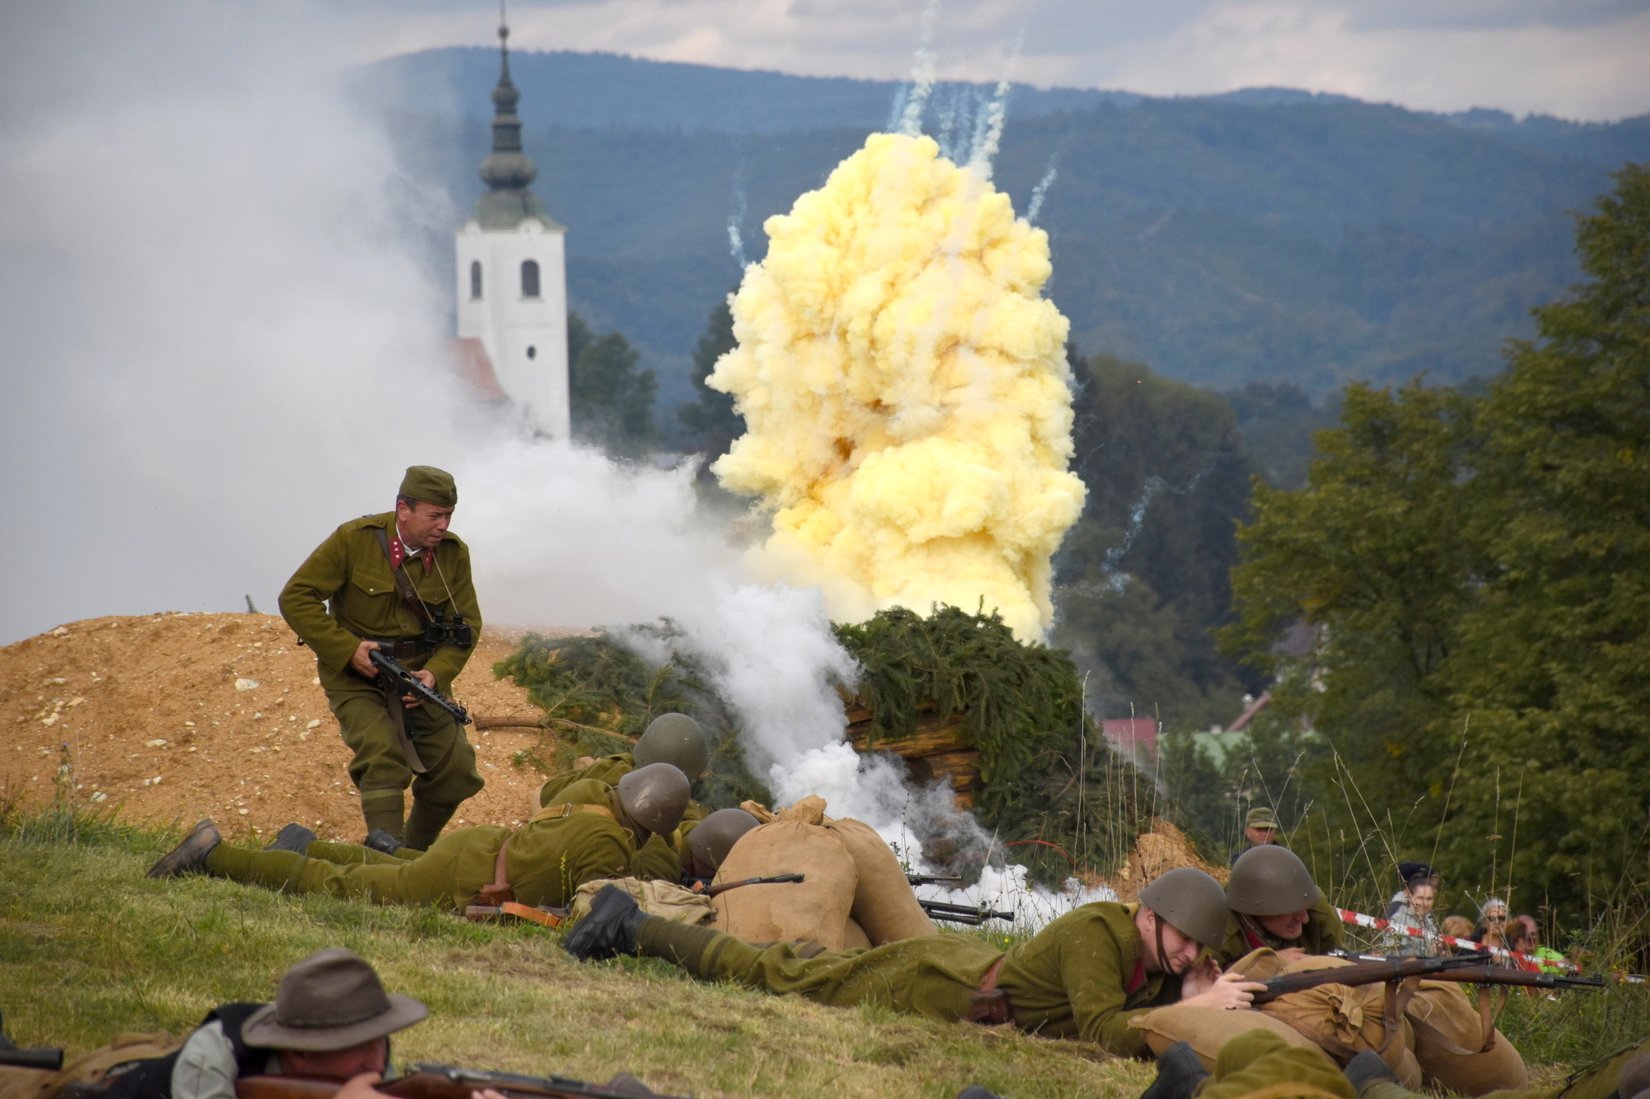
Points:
(1449, 1032)
(664, 899)
(815, 909)
(884, 904)
(1206, 1029)
(1345, 1020)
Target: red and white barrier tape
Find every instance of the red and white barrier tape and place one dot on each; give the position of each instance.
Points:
(1521, 961)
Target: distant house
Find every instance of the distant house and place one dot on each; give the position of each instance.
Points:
(1134, 736)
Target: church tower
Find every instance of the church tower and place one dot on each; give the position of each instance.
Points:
(512, 276)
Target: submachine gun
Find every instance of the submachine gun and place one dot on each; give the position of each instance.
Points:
(411, 684)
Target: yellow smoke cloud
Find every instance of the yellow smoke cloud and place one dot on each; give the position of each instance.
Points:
(905, 391)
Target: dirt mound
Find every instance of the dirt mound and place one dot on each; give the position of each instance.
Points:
(1163, 848)
(171, 717)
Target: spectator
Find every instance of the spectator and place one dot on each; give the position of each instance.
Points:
(1406, 871)
(1492, 920)
(1546, 958)
(1414, 930)
(1458, 927)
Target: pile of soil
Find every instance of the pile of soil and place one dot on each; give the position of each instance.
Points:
(172, 717)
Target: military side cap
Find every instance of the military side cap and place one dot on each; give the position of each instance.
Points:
(431, 485)
(1262, 818)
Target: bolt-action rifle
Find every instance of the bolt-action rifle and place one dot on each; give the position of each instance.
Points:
(933, 879)
(1477, 969)
(411, 684)
(423, 1081)
(970, 914)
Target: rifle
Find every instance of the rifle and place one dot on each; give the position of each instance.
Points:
(424, 1081)
(703, 885)
(932, 879)
(1465, 968)
(41, 1057)
(970, 914)
(411, 684)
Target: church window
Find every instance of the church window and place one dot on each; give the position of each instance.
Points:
(475, 280)
(529, 278)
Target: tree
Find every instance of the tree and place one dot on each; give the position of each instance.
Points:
(711, 422)
(611, 400)
(1555, 667)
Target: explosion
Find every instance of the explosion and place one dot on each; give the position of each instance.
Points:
(905, 392)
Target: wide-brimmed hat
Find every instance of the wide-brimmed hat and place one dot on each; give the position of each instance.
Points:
(330, 1000)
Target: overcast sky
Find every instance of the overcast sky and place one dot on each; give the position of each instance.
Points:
(1579, 59)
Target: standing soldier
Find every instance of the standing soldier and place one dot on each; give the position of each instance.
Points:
(398, 582)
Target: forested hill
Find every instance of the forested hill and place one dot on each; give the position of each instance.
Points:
(1267, 235)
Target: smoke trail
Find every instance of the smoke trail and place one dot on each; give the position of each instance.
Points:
(1040, 192)
(1137, 519)
(922, 75)
(736, 240)
(988, 134)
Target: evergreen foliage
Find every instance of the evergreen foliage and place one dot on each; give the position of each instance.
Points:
(709, 419)
(604, 693)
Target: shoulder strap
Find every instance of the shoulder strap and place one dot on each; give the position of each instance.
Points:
(565, 810)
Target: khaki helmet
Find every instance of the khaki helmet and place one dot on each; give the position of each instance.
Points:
(1270, 881)
(677, 739)
(1191, 902)
(655, 796)
(712, 838)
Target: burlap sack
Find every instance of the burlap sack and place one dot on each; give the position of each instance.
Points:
(1206, 1029)
(1343, 1020)
(657, 898)
(884, 904)
(815, 909)
(1449, 1032)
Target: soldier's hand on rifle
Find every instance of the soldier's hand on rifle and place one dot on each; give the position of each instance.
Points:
(425, 677)
(1232, 991)
(362, 663)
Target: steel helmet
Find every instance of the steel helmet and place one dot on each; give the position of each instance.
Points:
(1270, 881)
(654, 796)
(712, 838)
(1191, 902)
(677, 739)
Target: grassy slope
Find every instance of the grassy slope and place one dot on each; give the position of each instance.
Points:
(90, 948)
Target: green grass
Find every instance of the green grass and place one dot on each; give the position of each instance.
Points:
(90, 948)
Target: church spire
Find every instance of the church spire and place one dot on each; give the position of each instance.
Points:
(507, 170)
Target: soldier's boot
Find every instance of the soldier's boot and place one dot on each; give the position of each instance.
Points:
(188, 857)
(292, 837)
(384, 811)
(425, 823)
(1372, 1078)
(1179, 1072)
(382, 841)
(609, 929)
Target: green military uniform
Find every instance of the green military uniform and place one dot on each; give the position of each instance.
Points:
(1323, 932)
(1259, 1064)
(1082, 976)
(579, 839)
(345, 593)
(609, 770)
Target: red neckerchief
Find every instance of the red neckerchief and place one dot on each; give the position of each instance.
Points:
(1137, 978)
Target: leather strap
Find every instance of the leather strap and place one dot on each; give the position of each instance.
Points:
(565, 810)
(402, 584)
(498, 890)
(988, 1004)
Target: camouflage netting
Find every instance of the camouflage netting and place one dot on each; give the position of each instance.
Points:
(1048, 792)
